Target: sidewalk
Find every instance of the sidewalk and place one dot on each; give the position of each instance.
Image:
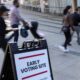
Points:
(65, 66)
(44, 15)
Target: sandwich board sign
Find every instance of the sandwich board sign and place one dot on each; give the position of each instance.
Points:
(31, 62)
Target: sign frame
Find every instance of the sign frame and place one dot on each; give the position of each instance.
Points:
(13, 49)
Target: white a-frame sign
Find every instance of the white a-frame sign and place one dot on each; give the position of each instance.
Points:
(31, 62)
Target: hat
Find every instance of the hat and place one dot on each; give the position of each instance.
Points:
(3, 8)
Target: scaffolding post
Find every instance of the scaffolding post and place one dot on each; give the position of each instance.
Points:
(74, 5)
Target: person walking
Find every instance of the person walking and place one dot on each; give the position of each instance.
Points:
(15, 18)
(76, 21)
(67, 27)
(3, 31)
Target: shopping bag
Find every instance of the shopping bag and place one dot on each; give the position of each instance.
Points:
(23, 32)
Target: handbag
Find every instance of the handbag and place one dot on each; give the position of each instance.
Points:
(64, 29)
(23, 32)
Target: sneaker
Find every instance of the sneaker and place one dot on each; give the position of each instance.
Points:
(66, 50)
(62, 48)
(40, 34)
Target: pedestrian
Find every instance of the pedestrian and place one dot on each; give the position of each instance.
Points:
(67, 27)
(3, 31)
(42, 5)
(76, 21)
(15, 18)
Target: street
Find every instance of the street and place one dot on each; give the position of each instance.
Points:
(65, 66)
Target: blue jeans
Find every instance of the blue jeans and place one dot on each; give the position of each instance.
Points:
(16, 33)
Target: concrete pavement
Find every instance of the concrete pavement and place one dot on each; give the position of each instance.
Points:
(42, 15)
(65, 66)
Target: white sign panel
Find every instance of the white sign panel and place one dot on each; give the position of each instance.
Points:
(32, 65)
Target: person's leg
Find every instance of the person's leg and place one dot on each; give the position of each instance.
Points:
(7, 39)
(69, 38)
(34, 25)
(77, 32)
(34, 33)
(3, 43)
(79, 38)
(16, 33)
(78, 35)
(66, 40)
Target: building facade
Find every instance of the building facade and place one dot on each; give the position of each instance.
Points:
(6, 1)
(57, 6)
(10, 1)
(53, 6)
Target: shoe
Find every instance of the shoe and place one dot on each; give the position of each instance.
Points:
(62, 48)
(41, 35)
(66, 50)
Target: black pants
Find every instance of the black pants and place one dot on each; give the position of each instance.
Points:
(67, 38)
(34, 30)
(3, 43)
(16, 33)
